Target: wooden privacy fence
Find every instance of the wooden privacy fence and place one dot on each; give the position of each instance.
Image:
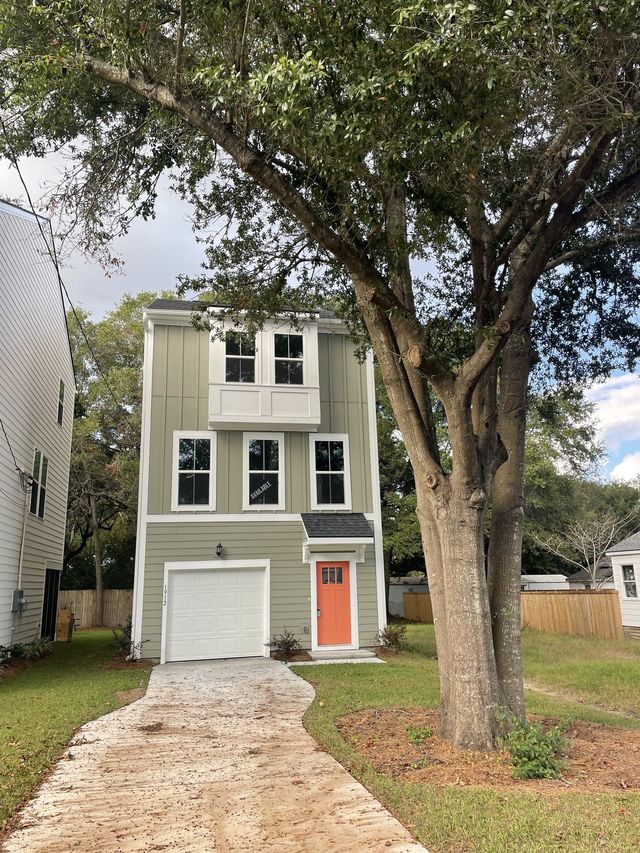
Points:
(417, 607)
(116, 609)
(583, 612)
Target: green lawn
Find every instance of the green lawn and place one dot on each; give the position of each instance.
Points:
(461, 820)
(41, 707)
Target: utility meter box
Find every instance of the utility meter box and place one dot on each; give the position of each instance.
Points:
(19, 602)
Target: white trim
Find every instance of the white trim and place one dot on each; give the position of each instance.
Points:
(143, 486)
(375, 492)
(16, 210)
(325, 436)
(212, 565)
(208, 518)
(262, 436)
(338, 540)
(213, 470)
(353, 600)
(358, 550)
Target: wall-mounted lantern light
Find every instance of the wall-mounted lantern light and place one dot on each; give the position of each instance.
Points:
(219, 549)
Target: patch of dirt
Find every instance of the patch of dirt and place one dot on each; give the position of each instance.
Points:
(151, 728)
(297, 657)
(14, 667)
(121, 663)
(597, 757)
(126, 697)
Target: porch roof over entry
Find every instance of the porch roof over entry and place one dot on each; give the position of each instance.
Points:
(351, 525)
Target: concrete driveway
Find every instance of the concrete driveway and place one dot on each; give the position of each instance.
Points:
(214, 757)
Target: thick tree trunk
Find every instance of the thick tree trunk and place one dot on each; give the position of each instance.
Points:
(469, 684)
(97, 553)
(505, 544)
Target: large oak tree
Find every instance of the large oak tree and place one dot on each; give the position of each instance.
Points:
(337, 144)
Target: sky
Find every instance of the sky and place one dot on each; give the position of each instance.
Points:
(156, 252)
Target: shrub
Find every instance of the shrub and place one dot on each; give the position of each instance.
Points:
(392, 637)
(535, 754)
(418, 734)
(285, 644)
(34, 650)
(123, 641)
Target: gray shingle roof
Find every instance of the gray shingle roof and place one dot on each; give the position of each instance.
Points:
(631, 543)
(186, 305)
(603, 572)
(352, 525)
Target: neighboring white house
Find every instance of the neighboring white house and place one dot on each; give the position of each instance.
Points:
(625, 560)
(36, 409)
(398, 587)
(538, 583)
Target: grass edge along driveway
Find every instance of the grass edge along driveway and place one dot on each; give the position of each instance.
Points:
(481, 820)
(42, 706)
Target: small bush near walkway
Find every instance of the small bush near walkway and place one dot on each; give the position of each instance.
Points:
(42, 706)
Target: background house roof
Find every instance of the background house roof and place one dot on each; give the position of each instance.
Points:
(352, 525)
(631, 543)
(194, 305)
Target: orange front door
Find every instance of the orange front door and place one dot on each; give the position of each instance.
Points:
(334, 604)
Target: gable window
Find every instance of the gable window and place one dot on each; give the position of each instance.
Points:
(289, 358)
(263, 470)
(330, 475)
(629, 582)
(39, 483)
(240, 357)
(61, 402)
(193, 484)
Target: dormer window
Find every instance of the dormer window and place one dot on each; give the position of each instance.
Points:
(240, 357)
(289, 358)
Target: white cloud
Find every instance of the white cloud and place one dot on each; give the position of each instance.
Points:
(628, 469)
(154, 252)
(618, 409)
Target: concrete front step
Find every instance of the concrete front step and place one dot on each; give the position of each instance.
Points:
(342, 654)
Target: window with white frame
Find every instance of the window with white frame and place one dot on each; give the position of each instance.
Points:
(629, 582)
(193, 483)
(288, 351)
(240, 357)
(39, 483)
(263, 470)
(330, 475)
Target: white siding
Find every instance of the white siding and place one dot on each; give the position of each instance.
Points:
(629, 607)
(34, 357)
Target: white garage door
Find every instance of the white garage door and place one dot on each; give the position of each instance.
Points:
(215, 614)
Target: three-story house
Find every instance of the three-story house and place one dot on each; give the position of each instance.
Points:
(259, 489)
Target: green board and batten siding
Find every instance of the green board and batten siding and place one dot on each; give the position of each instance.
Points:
(180, 401)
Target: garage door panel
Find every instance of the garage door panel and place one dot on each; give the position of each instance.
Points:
(215, 614)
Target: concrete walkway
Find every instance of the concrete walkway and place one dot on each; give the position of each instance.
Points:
(214, 757)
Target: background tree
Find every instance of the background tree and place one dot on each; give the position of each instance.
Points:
(342, 142)
(105, 451)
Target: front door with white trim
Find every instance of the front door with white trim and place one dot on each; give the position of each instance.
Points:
(215, 613)
(333, 603)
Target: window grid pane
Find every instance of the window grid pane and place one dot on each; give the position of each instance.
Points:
(194, 471)
(329, 463)
(631, 589)
(240, 351)
(264, 471)
(288, 351)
